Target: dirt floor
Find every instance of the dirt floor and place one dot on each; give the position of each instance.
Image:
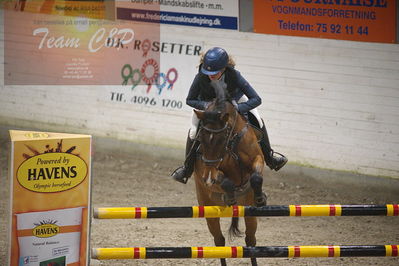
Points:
(142, 179)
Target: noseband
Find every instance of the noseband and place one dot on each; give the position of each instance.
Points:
(216, 130)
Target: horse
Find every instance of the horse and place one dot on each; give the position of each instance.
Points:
(229, 166)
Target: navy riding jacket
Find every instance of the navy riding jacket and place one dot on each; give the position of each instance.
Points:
(201, 92)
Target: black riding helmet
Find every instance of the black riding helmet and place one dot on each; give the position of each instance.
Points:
(215, 60)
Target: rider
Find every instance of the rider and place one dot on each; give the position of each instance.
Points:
(216, 65)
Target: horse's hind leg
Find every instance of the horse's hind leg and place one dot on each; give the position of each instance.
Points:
(251, 225)
(214, 228)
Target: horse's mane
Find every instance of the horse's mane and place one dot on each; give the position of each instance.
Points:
(218, 108)
(221, 96)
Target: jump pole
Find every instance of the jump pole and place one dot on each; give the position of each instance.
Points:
(243, 211)
(244, 252)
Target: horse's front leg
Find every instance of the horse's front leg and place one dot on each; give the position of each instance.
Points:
(228, 186)
(214, 228)
(204, 199)
(256, 181)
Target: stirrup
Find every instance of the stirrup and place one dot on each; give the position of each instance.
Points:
(179, 175)
(283, 162)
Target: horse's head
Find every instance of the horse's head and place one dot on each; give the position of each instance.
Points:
(216, 128)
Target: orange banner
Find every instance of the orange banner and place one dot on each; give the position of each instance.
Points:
(94, 9)
(356, 20)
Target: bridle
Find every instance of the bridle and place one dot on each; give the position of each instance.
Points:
(216, 162)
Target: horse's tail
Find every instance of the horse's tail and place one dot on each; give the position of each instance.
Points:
(234, 231)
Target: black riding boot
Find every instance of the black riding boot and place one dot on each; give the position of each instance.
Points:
(274, 162)
(183, 173)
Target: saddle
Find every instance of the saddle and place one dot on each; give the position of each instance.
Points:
(258, 132)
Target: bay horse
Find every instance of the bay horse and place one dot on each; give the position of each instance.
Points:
(229, 166)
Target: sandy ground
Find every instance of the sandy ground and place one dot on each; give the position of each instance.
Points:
(142, 179)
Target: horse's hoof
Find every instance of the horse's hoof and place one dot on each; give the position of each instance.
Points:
(261, 201)
(229, 201)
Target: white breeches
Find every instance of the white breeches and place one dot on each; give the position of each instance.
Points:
(195, 121)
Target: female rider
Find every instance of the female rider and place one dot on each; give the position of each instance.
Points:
(216, 65)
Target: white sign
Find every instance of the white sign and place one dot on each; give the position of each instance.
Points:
(222, 14)
(173, 74)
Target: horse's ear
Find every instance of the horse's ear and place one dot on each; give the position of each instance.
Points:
(199, 114)
(225, 117)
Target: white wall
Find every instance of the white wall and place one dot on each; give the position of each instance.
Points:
(327, 103)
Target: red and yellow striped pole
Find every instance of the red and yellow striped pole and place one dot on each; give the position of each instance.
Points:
(315, 210)
(120, 213)
(118, 253)
(313, 251)
(217, 252)
(245, 252)
(218, 211)
(241, 211)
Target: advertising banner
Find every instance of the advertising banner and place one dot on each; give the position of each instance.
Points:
(88, 9)
(45, 49)
(219, 14)
(356, 20)
(178, 65)
(50, 198)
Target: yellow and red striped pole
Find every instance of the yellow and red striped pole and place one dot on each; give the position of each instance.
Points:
(245, 252)
(241, 211)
